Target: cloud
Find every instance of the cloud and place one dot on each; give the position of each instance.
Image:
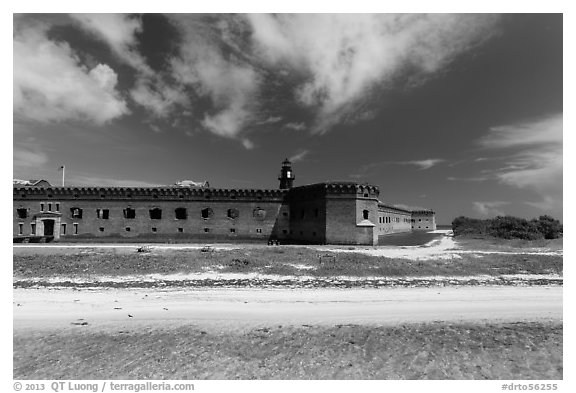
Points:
(226, 123)
(120, 33)
(332, 64)
(533, 158)
(248, 144)
(50, 83)
(344, 57)
(271, 120)
(490, 209)
(157, 97)
(472, 179)
(295, 126)
(423, 164)
(543, 131)
(367, 169)
(547, 203)
(155, 128)
(231, 83)
(299, 156)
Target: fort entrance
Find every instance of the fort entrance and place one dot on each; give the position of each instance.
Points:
(48, 227)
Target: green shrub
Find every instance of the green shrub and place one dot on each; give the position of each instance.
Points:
(469, 226)
(508, 227)
(549, 227)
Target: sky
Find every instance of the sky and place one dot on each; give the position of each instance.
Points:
(459, 113)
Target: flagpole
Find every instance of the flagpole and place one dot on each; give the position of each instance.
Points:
(63, 174)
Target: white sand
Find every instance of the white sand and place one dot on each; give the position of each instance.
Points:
(39, 308)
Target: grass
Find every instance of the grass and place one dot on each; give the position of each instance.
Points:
(509, 351)
(496, 244)
(271, 260)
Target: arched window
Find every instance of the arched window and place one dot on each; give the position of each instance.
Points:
(365, 214)
(129, 213)
(207, 213)
(103, 213)
(259, 214)
(181, 213)
(233, 213)
(22, 212)
(76, 212)
(155, 213)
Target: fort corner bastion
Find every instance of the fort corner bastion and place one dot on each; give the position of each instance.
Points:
(345, 213)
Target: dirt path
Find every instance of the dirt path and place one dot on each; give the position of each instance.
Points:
(236, 308)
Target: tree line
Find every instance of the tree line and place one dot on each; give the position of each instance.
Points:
(508, 227)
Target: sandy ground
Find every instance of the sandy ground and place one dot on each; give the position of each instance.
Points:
(245, 308)
(443, 248)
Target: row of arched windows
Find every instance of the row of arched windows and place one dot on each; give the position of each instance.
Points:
(180, 213)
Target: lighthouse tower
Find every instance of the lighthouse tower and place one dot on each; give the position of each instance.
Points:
(286, 175)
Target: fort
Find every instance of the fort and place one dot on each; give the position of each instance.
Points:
(322, 213)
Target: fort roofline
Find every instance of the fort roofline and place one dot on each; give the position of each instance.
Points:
(79, 192)
(338, 187)
(144, 193)
(426, 212)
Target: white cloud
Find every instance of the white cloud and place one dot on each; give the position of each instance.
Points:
(295, 126)
(158, 97)
(270, 120)
(248, 144)
(533, 158)
(345, 56)
(50, 83)
(226, 123)
(119, 32)
(367, 169)
(231, 84)
(472, 179)
(299, 156)
(340, 58)
(155, 128)
(547, 204)
(544, 131)
(490, 209)
(424, 164)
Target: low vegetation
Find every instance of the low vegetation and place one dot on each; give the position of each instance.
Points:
(508, 227)
(474, 243)
(509, 351)
(280, 260)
